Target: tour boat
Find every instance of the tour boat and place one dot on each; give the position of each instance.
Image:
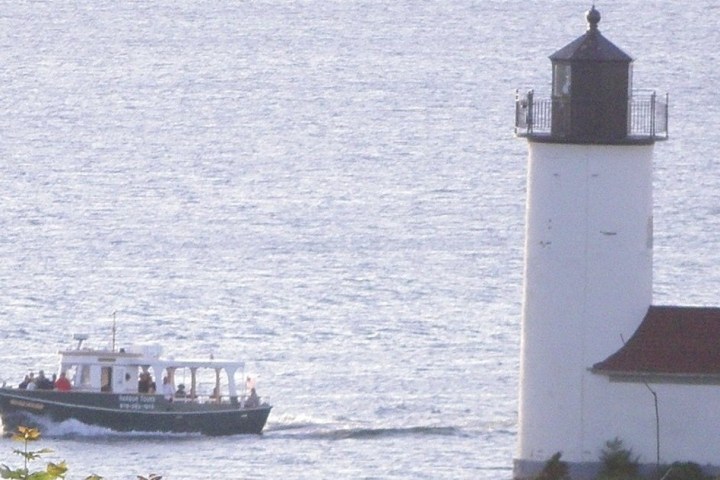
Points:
(134, 389)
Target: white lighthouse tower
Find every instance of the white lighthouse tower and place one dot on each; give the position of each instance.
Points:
(588, 250)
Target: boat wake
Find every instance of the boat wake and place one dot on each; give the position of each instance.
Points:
(308, 427)
(296, 428)
(50, 428)
(70, 429)
(314, 431)
(381, 433)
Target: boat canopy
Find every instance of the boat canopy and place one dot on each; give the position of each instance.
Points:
(130, 370)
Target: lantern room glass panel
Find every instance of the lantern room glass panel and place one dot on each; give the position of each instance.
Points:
(561, 79)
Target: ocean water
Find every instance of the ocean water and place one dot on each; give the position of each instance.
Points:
(329, 190)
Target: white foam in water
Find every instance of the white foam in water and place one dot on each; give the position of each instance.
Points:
(71, 428)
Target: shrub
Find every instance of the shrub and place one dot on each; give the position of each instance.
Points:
(618, 462)
(554, 469)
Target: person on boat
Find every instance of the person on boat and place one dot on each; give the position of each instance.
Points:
(62, 384)
(146, 384)
(216, 397)
(26, 381)
(253, 400)
(42, 382)
(168, 391)
(181, 391)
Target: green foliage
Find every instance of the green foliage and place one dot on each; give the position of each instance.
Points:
(52, 471)
(685, 471)
(618, 462)
(554, 469)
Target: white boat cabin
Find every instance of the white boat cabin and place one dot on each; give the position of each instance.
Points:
(140, 370)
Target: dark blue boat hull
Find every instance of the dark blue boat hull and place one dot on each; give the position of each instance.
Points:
(129, 412)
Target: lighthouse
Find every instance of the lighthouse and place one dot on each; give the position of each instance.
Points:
(588, 253)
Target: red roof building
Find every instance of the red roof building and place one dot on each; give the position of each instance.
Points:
(673, 345)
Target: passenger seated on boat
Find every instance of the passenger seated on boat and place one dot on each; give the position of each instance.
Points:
(26, 381)
(62, 384)
(42, 382)
(145, 384)
(216, 397)
(180, 391)
(253, 400)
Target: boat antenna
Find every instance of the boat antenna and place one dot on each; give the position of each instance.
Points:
(114, 329)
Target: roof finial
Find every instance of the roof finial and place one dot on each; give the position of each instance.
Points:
(593, 18)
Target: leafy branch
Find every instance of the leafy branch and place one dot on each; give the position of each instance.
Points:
(52, 470)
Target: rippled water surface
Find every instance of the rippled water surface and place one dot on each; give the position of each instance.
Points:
(329, 190)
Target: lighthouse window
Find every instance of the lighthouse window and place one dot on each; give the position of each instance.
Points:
(561, 80)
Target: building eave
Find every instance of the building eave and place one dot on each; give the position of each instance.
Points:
(672, 345)
(660, 378)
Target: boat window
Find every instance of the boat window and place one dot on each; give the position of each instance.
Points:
(106, 379)
(124, 380)
(84, 380)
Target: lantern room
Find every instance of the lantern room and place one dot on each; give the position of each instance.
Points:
(592, 99)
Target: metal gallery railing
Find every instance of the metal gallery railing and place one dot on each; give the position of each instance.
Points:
(647, 115)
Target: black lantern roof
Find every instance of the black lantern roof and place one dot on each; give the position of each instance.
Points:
(591, 46)
(592, 100)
